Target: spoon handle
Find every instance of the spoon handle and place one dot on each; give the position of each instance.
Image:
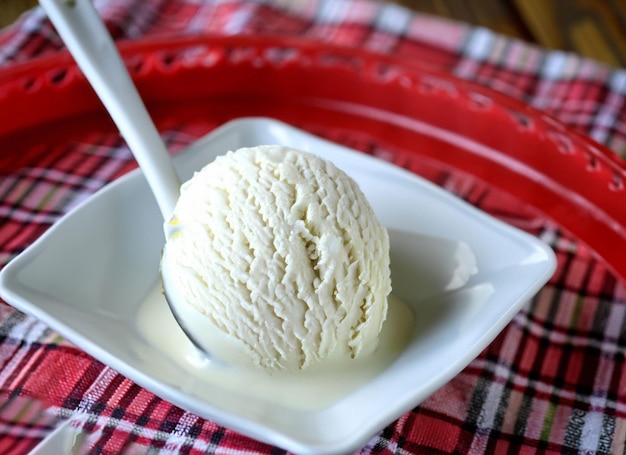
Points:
(85, 35)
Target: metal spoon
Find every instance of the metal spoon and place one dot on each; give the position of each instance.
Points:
(88, 40)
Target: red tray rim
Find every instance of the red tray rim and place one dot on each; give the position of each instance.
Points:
(18, 79)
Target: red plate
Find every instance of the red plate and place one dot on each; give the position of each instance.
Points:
(451, 131)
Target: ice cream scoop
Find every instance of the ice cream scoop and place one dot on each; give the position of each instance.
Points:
(277, 260)
(302, 269)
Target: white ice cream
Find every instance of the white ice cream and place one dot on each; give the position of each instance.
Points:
(280, 260)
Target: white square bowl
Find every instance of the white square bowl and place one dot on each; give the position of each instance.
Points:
(463, 273)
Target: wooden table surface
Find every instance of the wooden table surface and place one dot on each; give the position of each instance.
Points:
(593, 28)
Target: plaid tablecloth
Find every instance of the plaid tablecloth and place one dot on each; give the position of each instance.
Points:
(554, 381)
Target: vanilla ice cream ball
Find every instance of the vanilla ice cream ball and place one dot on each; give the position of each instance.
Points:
(281, 260)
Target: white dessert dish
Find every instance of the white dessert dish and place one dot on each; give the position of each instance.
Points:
(463, 273)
